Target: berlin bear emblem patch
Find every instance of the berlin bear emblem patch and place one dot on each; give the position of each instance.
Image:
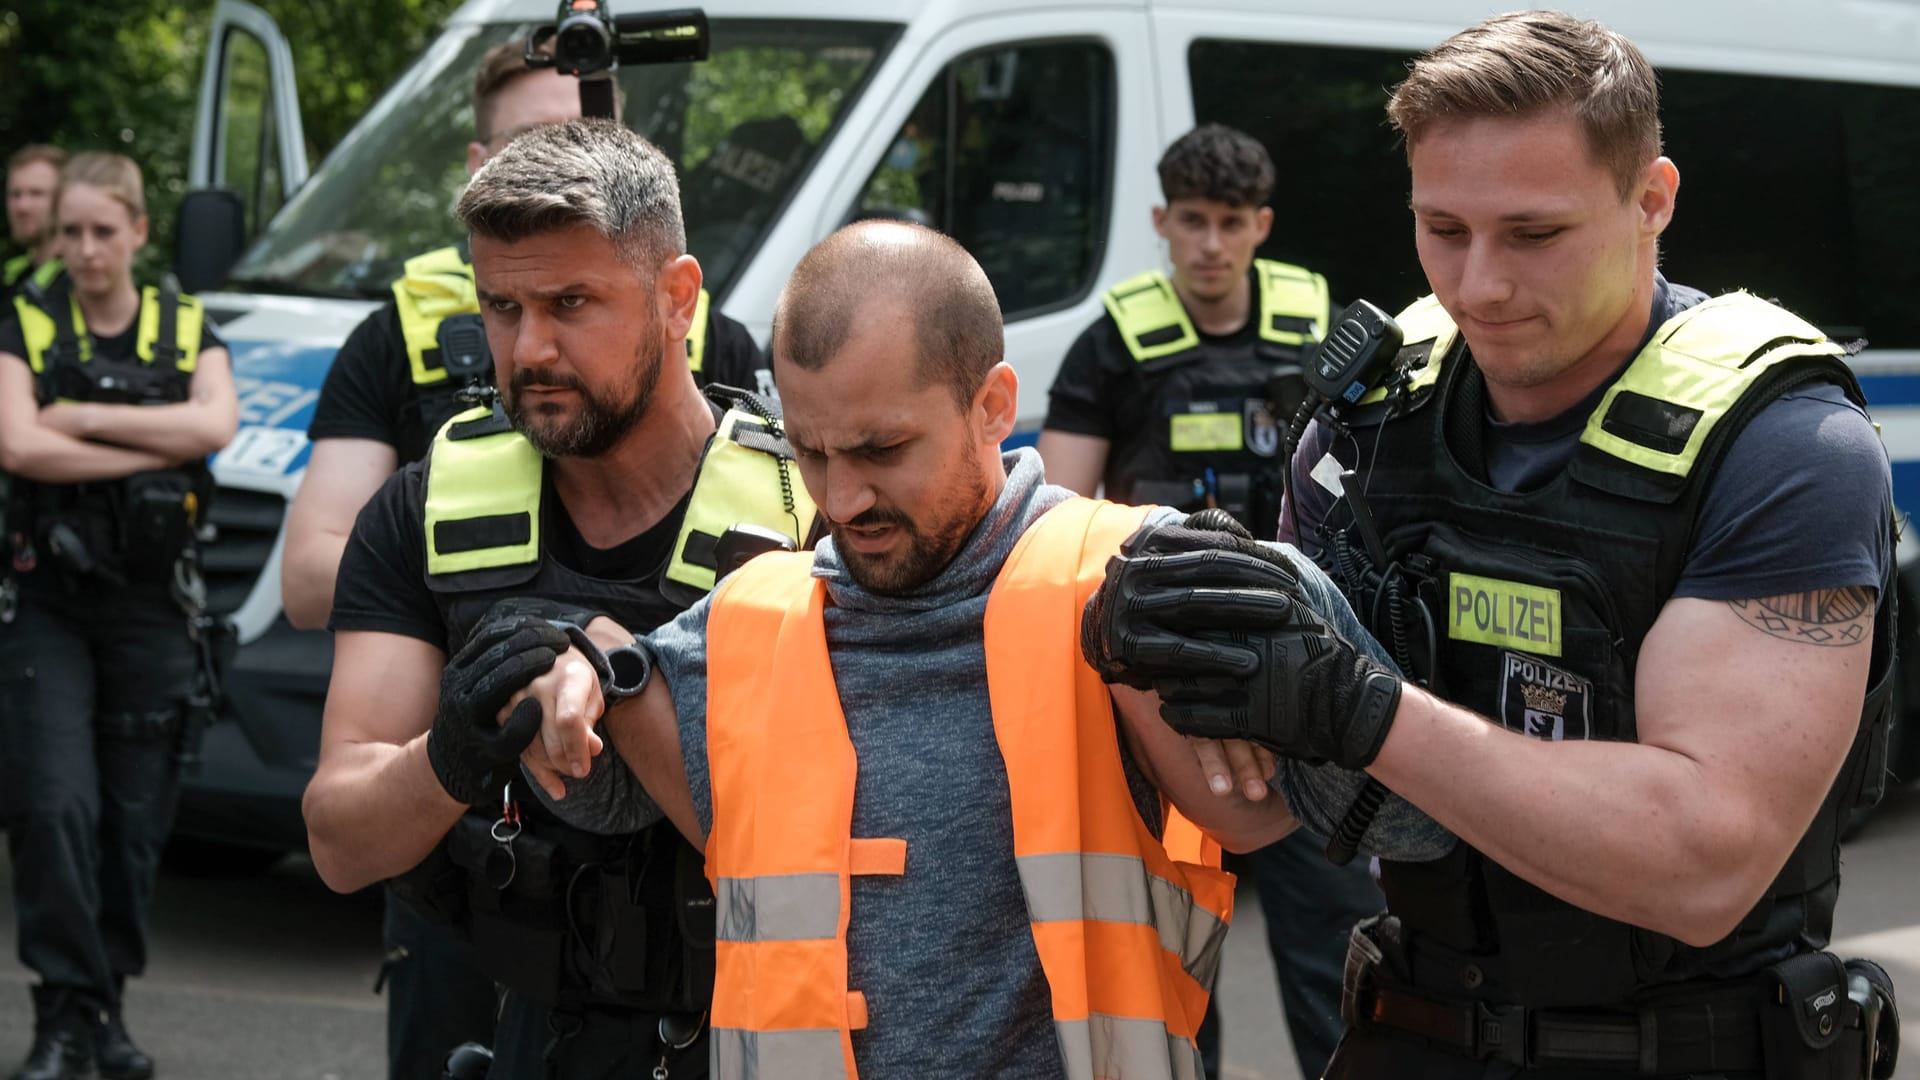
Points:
(1544, 701)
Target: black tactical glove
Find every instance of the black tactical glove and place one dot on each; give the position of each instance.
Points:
(1234, 652)
(1136, 628)
(473, 755)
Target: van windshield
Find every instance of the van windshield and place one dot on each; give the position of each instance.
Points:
(744, 127)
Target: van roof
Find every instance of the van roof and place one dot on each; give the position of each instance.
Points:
(1849, 40)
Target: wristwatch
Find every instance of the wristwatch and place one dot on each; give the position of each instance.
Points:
(623, 670)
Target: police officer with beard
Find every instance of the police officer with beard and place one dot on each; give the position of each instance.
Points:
(603, 483)
(32, 174)
(398, 378)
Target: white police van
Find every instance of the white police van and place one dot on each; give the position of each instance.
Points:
(1028, 130)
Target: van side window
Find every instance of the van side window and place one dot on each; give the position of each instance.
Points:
(250, 162)
(1801, 190)
(1010, 152)
(1340, 187)
(1794, 189)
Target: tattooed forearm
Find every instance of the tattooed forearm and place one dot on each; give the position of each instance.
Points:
(1831, 617)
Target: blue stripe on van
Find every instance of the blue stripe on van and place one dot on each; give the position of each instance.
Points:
(1906, 484)
(1891, 389)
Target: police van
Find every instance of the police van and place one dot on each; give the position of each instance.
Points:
(1028, 130)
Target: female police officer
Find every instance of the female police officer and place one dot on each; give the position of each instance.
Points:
(111, 398)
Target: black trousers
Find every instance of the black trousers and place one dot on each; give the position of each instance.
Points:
(436, 997)
(91, 686)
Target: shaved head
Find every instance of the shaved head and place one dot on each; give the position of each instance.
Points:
(872, 268)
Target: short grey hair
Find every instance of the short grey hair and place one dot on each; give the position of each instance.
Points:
(583, 172)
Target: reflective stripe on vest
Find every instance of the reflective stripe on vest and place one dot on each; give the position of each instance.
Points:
(1293, 310)
(746, 478)
(1294, 303)
(697, 335)
(434, 286)
(37, 328)
(1659, 413)
(483, 497)
(484, 485)
(1125, 934)
(42, 275)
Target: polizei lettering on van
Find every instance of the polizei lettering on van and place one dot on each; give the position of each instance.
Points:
(1503, 613)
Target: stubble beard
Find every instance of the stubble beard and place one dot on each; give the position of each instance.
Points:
(599, 425)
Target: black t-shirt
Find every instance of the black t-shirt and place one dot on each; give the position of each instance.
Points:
(369, 391)
(1801, 500)
(382, 584)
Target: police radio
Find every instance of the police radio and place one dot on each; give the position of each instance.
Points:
(590, 42)
(464, 354)
(1355, 358)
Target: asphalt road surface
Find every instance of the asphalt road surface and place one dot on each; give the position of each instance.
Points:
(270, 977)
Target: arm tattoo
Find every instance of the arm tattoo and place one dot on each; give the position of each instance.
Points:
(1831, 617)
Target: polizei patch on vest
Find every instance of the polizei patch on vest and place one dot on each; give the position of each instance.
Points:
(1506, 614)
(1541, 700)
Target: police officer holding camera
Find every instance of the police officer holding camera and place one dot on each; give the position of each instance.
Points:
(111, 398)
(1632, 549)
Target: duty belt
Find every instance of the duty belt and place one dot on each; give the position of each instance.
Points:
(1685, 1038)
(1805, 1009)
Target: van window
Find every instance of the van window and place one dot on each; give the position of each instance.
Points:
(743, 128)
(1802, 191)
(1009, 152)
(1795, 189)
(250, 162)
(1340, 189)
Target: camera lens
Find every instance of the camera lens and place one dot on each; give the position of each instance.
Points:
(581, 46)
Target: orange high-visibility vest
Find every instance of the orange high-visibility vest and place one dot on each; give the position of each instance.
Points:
(1128, 937)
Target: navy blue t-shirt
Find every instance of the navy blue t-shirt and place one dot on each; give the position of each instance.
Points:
(1801, 501)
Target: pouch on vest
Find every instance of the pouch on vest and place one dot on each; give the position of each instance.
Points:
(1809, 1026)
(157, 517)
(518, 932)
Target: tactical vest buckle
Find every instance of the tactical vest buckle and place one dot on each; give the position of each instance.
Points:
(1500, 1033)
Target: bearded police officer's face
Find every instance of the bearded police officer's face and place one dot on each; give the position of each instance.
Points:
(30, 201)
(1211, 244)
(1530, 247)
(99, 235)
(900, 469)
(576, 338)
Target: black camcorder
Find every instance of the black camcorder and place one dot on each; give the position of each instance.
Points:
(587, 39)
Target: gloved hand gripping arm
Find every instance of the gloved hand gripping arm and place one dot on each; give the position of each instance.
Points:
(1220, 629)
(474, 755)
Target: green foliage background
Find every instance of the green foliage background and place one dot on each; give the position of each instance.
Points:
(123, 76)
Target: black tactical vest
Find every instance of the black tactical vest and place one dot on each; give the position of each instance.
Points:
(1538, 603)
(623, 921)
(1205, 419)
